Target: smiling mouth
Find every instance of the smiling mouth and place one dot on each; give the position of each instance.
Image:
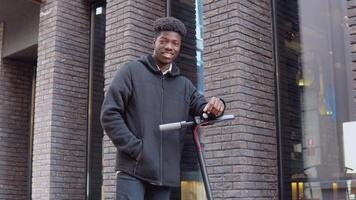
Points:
(168, 55)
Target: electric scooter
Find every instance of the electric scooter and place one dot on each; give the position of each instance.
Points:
(198, 122)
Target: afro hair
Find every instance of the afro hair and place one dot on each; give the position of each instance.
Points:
(169, 24)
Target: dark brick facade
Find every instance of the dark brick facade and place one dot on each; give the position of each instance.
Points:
(128, 35)
(15, 107)
(241, 157)
(239, 67)
(60, 127)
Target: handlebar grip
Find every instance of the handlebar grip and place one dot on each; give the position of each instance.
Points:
(170, 126)
(225, 117)
(183, 124)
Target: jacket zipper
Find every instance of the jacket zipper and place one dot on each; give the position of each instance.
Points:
(161, 153)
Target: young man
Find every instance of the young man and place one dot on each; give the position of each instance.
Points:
(144, 94)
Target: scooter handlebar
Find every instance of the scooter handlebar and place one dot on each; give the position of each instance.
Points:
(222, 118)
(182, 124)
(170, 126)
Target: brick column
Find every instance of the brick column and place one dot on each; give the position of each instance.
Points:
(15, 104)
(60, 129)
(241, 156)
(128, 35)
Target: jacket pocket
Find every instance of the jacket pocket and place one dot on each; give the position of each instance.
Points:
(136, 166)
(147, 166)
(138, 158)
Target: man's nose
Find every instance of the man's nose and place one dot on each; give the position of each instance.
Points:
(169, 45)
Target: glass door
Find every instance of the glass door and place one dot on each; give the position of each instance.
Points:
(316, 113)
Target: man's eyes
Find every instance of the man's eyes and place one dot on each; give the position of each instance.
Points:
(166, 41)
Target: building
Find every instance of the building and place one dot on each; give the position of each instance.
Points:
(286, 69)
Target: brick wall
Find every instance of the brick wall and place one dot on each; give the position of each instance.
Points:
(241, 155)
(351, 4)
(15, 104)
(60, 130)
(128, 35)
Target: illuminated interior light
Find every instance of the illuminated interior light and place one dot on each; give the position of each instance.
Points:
(301, 190)
(301, 82)
(294, 190)
(192, 190)
(98, 10)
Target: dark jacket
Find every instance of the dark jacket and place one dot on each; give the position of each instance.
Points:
(138, 100)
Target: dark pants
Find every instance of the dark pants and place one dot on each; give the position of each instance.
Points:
(131, 188)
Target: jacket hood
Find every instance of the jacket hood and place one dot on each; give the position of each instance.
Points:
(149, 62)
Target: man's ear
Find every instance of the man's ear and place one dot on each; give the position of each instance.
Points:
(154, 41)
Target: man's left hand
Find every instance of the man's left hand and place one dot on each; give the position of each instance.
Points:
(215, 106)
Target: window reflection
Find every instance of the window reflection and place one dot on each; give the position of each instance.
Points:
(192, 189)
(191, 65)
(316, 100)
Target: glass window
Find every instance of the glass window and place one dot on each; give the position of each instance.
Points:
(96, 96)
(190, 61)
(317, 115)
(199, 44)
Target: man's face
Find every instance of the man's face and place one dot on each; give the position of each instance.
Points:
(166, 48)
